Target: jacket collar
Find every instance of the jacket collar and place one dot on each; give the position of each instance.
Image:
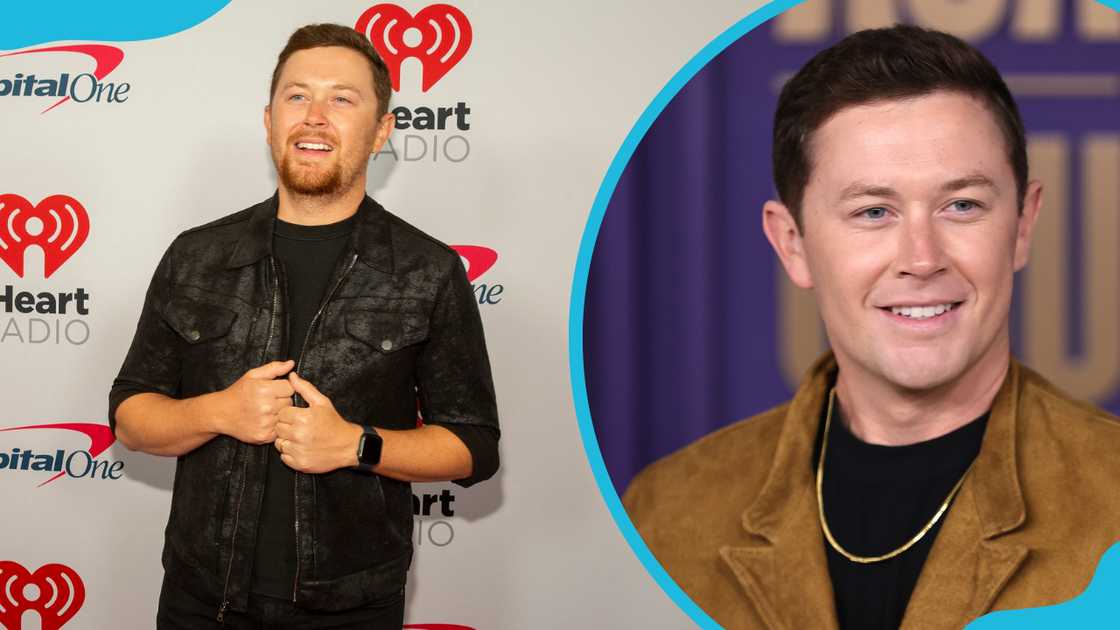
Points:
(371, 240)
(785, 572)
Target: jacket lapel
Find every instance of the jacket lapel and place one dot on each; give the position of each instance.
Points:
(787, 578)
(971, 561)
(785, 573)
(964, 573)
(256, 239)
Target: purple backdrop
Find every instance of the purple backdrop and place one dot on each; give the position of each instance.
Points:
(680, 330)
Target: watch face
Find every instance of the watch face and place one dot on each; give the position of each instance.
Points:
(369, 448)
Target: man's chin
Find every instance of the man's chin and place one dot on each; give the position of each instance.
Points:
(312, 189)
(918, 375)
(311, 184)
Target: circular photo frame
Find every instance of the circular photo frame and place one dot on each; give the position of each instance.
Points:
(682, 319)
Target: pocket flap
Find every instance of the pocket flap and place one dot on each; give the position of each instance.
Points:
(387, 332)
(198, 321)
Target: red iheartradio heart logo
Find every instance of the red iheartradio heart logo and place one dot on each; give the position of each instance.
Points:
(58, 225)
(479, 259)
(57, 593)
(444, 37)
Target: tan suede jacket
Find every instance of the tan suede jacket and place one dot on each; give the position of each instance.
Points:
(733, 517)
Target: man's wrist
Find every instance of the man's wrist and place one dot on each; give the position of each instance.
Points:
(350, 454)
(209, 409)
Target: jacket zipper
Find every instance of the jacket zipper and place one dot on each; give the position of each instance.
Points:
(299, 362)
(245, 462)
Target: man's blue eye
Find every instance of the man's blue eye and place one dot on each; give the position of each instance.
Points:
(877, 212)
(963, 205)
(294, 97)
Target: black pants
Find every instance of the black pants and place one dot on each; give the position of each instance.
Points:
(179, 610)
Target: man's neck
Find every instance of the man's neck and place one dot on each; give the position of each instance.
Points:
(319, 209)
(878, 412)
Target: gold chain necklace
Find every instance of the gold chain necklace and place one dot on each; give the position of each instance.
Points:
(824, 523)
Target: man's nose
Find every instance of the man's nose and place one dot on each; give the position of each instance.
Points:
(920, 251)
(315, 113)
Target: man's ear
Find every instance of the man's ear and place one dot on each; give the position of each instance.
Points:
(785, 237)
(385, 126)
(268, 124)
(1032, 203)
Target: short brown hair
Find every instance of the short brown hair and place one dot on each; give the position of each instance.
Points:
(321, 35)
(881, 65)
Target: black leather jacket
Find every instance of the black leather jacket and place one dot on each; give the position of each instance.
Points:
(399, 323)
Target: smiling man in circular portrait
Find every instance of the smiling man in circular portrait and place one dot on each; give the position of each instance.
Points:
(920, 476)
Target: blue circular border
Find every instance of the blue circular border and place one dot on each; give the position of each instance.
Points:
(579, 291)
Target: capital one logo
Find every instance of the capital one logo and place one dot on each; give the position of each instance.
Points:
(54, 591)
(438, 36)
(76, 463)
(58, 225)
(478, 261)
(81, 88)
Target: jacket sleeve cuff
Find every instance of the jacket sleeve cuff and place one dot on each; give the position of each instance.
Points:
(482, 442)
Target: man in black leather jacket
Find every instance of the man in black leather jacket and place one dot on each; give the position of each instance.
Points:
(281, 355)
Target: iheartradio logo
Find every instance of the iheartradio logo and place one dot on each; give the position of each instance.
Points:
(58, 225)
(54, 591)
(438, 36)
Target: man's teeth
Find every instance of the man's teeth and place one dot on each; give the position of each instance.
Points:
(921, 312)
(314, 146)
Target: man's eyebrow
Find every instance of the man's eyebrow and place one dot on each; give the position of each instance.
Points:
(333, 86)
(862, 189)
(969, 182)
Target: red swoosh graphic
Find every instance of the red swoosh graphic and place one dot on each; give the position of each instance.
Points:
(479, 259)
(106, 57)
(100, 437)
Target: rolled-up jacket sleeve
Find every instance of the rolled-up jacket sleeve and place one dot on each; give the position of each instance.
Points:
(153, 362)
(453, 375)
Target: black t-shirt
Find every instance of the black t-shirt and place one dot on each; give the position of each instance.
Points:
(309, 255)
(876, 498)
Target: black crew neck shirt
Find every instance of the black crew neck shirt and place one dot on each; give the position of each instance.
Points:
(876, 498)
(308, 255)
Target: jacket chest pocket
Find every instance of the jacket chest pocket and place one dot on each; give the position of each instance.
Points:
(387, 333)
(211, 347)
(373, 358)
(198, 322)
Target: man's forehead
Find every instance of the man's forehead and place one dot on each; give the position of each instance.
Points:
(947, 135)
(331, 65)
